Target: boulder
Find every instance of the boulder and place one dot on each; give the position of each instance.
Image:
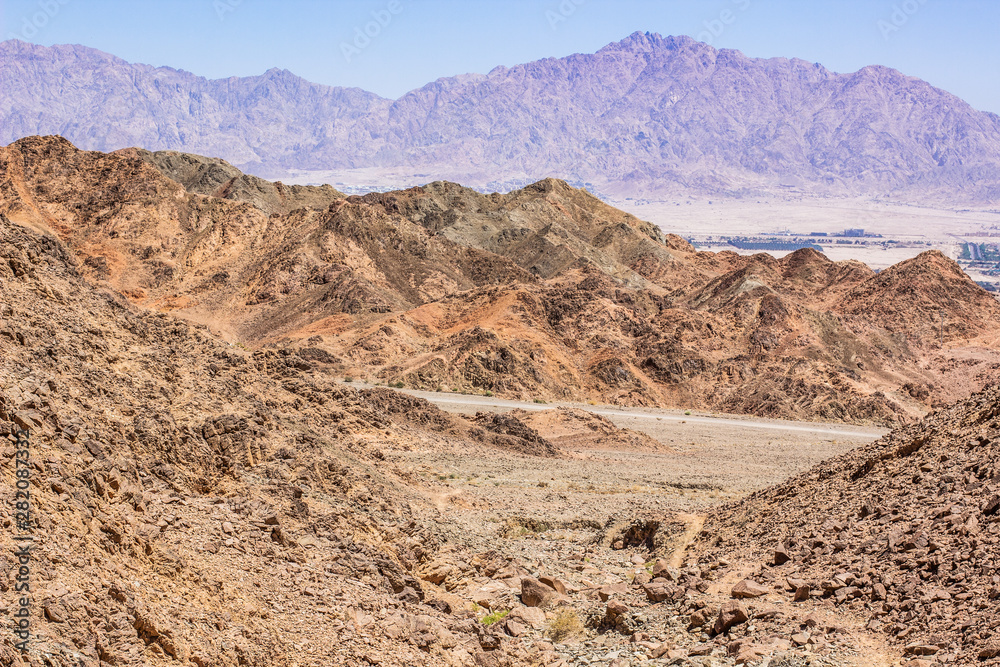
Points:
(557, 585)
(530, 616)
(781, 555)
(731, 613)
(749, 589)
(536, 594)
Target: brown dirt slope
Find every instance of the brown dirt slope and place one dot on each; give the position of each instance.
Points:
(928, 295)
(548, 228)
(197, 503)
(739, 345)
(903, 533)
(214, 258)
(545, 292)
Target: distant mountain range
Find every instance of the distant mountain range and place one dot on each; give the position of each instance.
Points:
(647, 115)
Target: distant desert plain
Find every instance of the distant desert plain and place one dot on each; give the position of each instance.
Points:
(894, 231)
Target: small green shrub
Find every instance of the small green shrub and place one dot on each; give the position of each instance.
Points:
(490, 619)
(487, 393)
(538, 400)
(687, 412)
(399, 385)
(348, 379)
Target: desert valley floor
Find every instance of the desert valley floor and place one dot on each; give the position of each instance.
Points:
(558, 516)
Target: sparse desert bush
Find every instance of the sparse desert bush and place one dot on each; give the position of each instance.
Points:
(490, 619)
(487, 393)
(399, 385)
(687, 412)
(439, 388)
(348, 379)
(538, 400)
(515, 528)
(565, 625)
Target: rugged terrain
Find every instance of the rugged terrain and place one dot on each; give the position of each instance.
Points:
(883, 555)
(543, 293)
(218, 178)
(648, 115)
(195, 501)
(902, 532)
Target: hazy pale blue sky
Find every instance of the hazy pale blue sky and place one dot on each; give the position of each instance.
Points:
(952, 44)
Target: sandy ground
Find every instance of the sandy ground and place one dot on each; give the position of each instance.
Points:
(802, 216)
(916, 228)
(706, 459)
(559, 515)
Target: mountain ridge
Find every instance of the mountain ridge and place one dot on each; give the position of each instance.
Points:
(544, 292)
(646, 114)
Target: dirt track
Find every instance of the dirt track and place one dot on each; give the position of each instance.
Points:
(639, 418)
(706, 459)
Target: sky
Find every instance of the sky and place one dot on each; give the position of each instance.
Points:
(392, 46)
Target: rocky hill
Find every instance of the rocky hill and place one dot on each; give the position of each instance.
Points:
(648, 114)
(197, 503)
(545, 292)
(902, 533)
(218, 178)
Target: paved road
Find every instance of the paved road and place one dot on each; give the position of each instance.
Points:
(465, 404)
